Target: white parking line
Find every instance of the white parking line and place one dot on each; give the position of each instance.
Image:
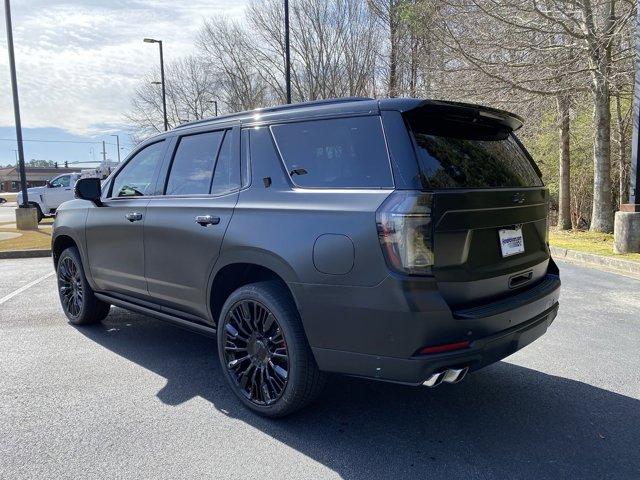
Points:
(24, 287)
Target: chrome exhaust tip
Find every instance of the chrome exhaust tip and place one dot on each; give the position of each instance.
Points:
(451, 375)
(434, 380)
(455, 375)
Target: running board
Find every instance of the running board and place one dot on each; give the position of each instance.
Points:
(166, 317)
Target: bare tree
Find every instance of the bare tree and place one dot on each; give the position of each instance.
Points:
(500, 60)
(545, 48)
(389, 13)
(333, 45)
(190, 91)
(227, 49)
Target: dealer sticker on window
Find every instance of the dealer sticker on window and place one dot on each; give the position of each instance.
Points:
(511, 241)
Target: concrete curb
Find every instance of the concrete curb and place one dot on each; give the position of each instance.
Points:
(25, 254)
(624, 266)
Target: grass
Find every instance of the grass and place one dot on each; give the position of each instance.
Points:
(29, 240)
(589, 242)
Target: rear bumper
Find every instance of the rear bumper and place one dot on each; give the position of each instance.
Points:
(416, 370)
(376, 331)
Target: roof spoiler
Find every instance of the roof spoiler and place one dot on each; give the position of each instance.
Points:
(470, 113)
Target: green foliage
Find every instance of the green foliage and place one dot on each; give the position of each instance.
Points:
(545, 148)
(40, 163)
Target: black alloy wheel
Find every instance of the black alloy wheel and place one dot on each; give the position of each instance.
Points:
(79, 303)
(264, 352)
(255, 352)
(70, 285)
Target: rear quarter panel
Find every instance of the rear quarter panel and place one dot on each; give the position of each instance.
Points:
(281, 228)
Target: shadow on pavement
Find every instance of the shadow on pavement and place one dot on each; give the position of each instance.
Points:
(505, 421)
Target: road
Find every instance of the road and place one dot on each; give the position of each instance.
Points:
(7, 212)
(137, 398)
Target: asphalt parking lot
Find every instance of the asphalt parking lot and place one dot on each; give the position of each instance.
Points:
(137, 398)
(7, 212)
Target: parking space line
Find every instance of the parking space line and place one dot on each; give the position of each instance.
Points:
(24, 287)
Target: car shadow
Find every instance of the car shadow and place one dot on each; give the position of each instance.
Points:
(505, 421)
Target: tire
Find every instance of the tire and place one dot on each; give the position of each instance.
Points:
(78, 301)
(262, 319)
(38, 211)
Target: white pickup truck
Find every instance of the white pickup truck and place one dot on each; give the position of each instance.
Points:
(50, 196)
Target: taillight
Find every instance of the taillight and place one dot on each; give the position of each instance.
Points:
(405, 232)
(547, 226)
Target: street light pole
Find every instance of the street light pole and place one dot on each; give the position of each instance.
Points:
(117, 145)
(16, 106)
(287, 51)
(164, 92)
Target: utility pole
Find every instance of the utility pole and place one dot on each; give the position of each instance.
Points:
(16, 106)
(287, 51)
(164, 92)
(117, 145)
(104, 153)
(215, 105)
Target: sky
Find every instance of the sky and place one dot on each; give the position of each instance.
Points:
(78, 63)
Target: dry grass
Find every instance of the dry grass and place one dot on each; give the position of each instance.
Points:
(29, 240)
(589, 242)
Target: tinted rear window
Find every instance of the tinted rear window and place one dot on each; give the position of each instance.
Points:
(336, 153)
(192, 165)
(463, 155)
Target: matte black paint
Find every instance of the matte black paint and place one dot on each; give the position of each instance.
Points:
(359, 318)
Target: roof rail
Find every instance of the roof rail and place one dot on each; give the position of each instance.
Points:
(277, 108)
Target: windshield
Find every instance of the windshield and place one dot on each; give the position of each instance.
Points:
(455, 154)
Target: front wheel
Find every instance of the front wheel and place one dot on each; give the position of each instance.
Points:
(264, 352)
(78, 301)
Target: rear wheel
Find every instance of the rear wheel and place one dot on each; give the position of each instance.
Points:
(78, 301)
(38, 211)
(264, 351)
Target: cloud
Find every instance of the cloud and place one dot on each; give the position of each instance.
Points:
(79, 61)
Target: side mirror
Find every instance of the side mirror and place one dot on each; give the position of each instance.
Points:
(89, 189)
(48, 184)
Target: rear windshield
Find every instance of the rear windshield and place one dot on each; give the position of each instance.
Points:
(464, 155)
(336, 153)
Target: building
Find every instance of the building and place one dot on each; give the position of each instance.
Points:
(36, 176)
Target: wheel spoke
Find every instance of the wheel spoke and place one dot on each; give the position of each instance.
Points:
(255, 352)
(70, 286)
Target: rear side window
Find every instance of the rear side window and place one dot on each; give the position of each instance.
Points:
(193, 163)
(336, 153)
(462, 155)
(227, 176)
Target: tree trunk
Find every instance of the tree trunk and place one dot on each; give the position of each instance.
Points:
(600, 59)
(564, 187)
(413, 74)
(393, 49)
(622, 152)
(602, 212)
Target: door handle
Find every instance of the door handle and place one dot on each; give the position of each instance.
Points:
(205, 220)
(133, 216)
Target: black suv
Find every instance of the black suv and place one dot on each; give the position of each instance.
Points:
(402, 240)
